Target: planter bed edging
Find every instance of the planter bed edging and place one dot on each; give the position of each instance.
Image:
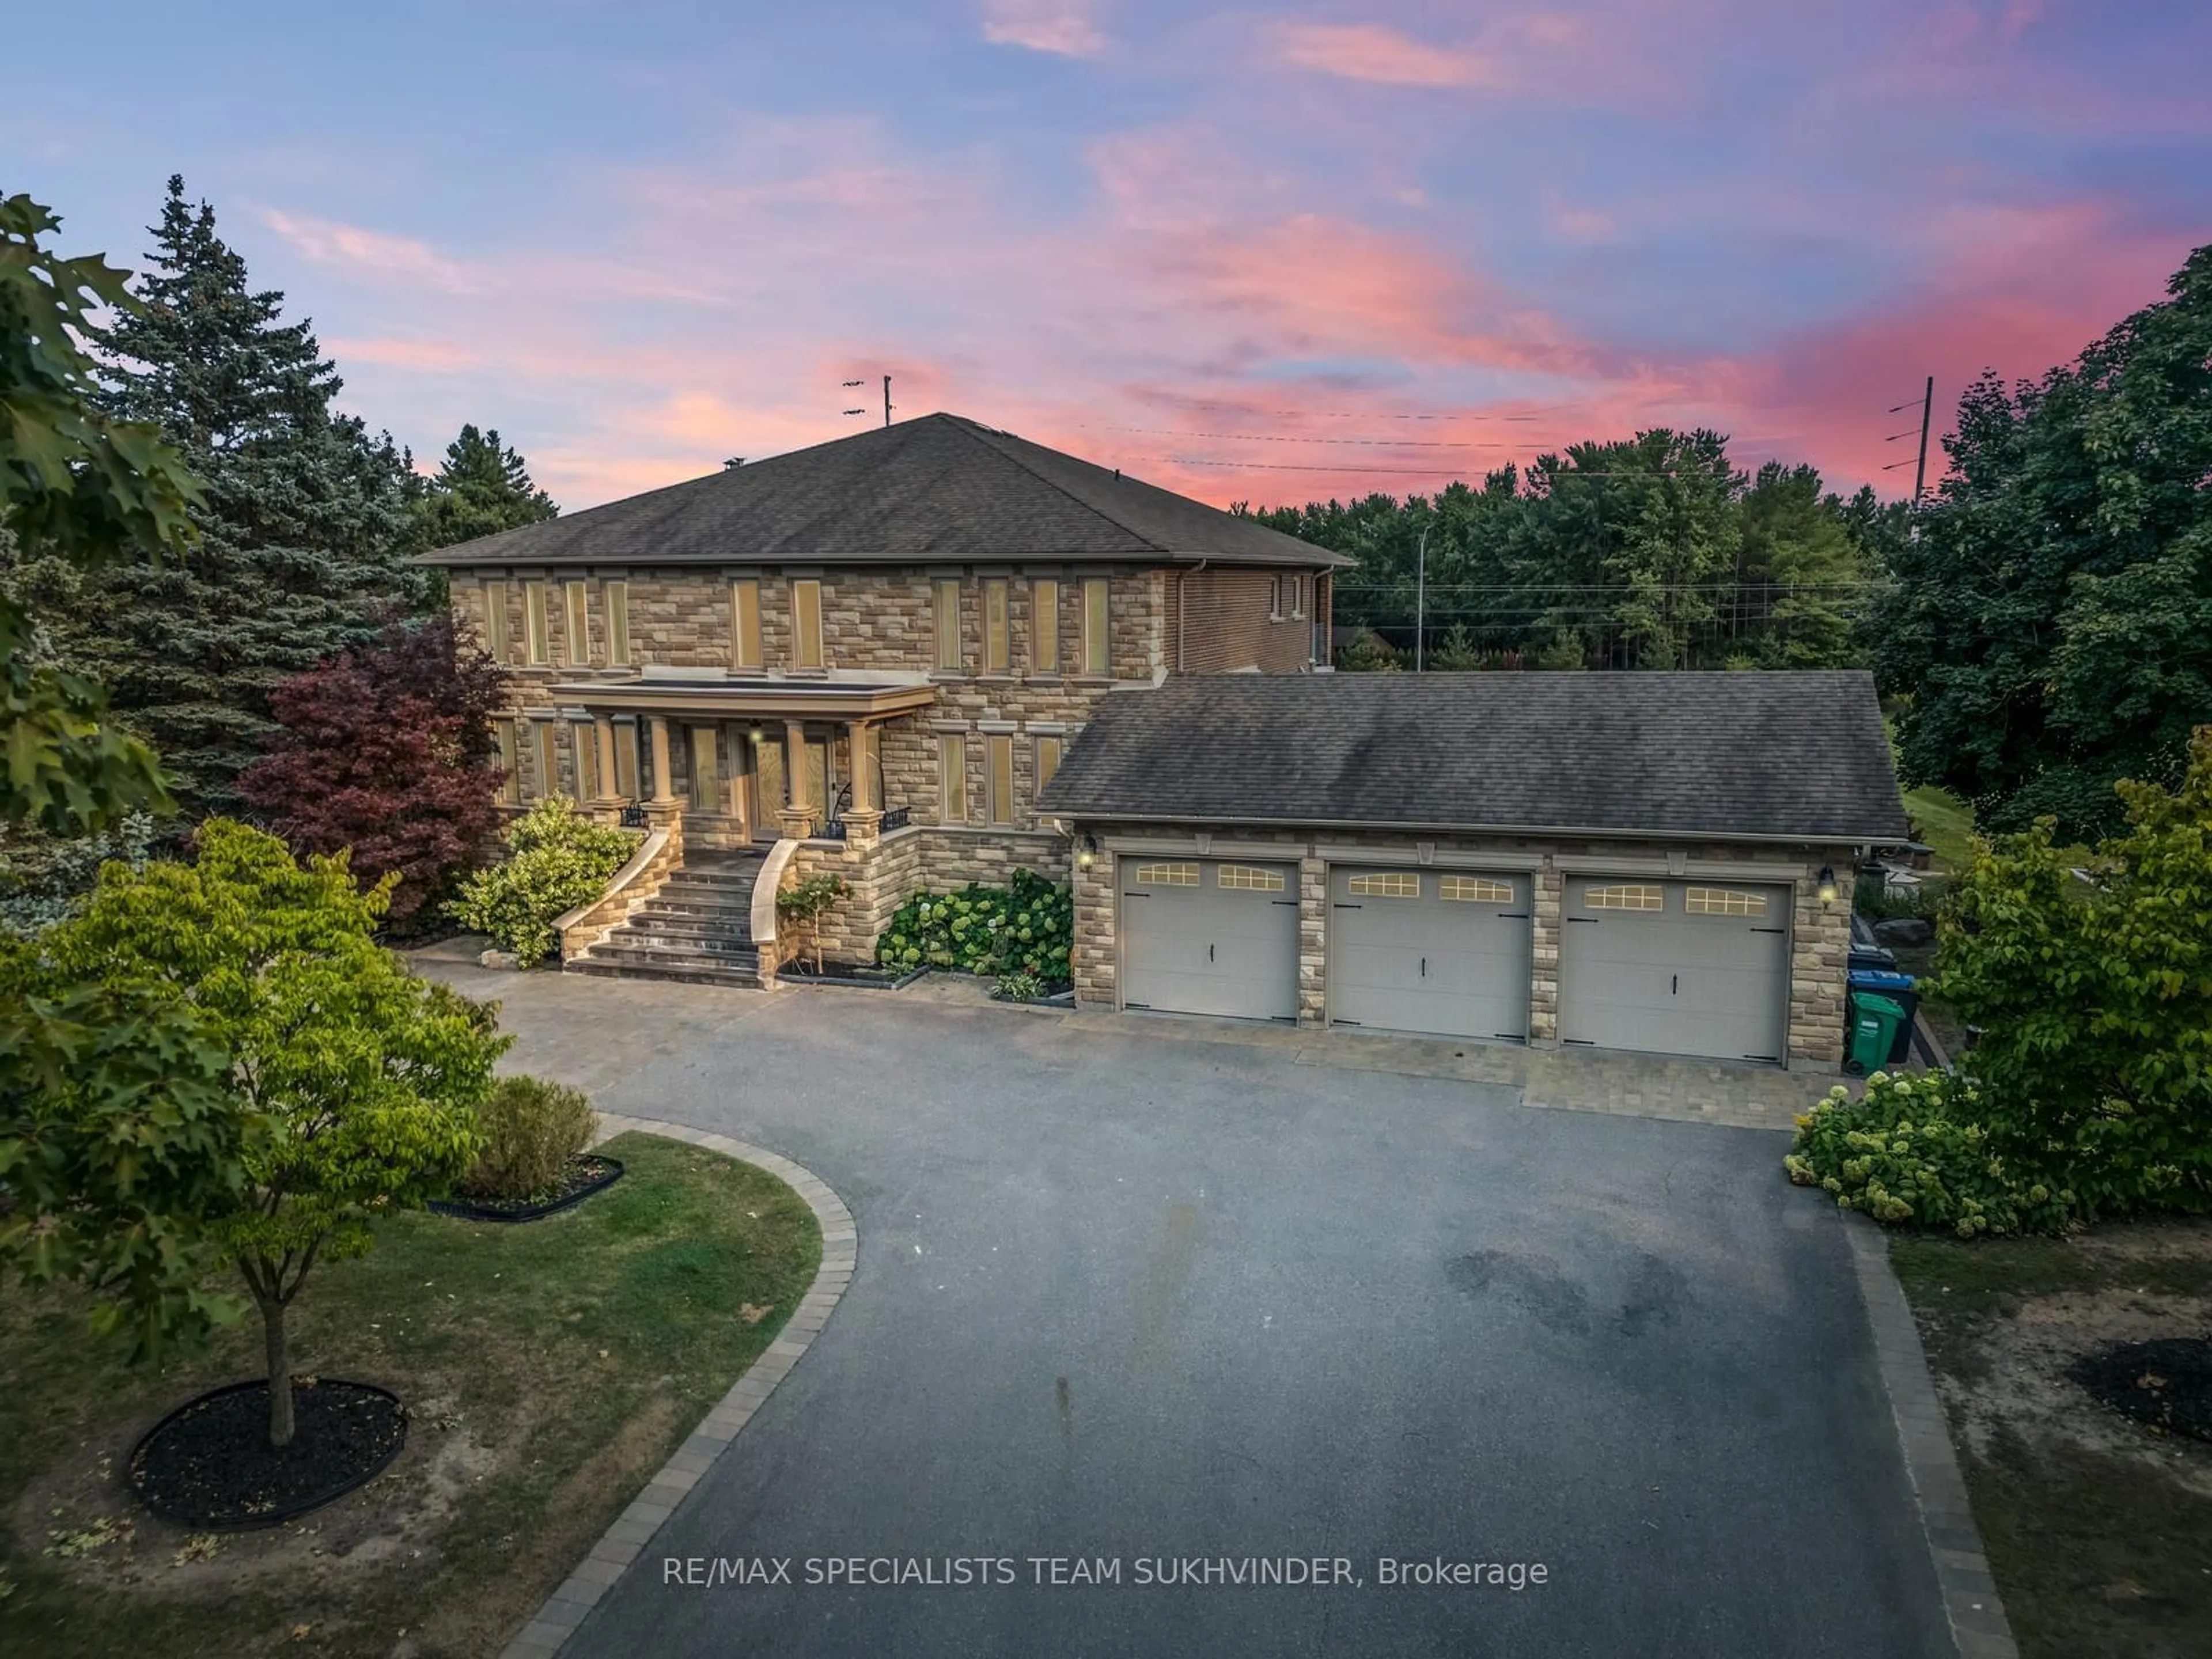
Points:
(462, 1209)
(292, 1508)
(850, 983)
(577, 1594)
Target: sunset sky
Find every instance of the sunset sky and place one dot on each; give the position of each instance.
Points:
(1271, 253)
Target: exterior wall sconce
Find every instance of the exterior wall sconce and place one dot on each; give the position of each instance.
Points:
(1827, 885)
(1088, 855)
(756, 737)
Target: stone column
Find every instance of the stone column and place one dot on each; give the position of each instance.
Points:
(611, 801)
(796, 820)
(1547, 907)
(662, 794)
(865, 816)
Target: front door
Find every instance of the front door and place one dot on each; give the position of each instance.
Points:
(768, 797)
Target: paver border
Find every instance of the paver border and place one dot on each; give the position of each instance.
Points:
(625, 1540)
(1980, 1629)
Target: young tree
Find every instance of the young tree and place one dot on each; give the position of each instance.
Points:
(481, 488)
(300, 532)
(386, 749)
(2050, 625)
(355, 1081)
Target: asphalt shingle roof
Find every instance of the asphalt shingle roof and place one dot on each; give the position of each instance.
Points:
(941, 488)
(1720, 754)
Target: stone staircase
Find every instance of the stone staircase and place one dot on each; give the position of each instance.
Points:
(697, 928)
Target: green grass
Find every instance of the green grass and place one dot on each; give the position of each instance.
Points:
(1947, 824)
(550, 1367)
(2093, 1552)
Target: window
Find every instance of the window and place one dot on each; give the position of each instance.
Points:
(626, 760)
(952, 779)
(495, 602)
(510, 787)
(1298, 596)
(998, 791)
(1476, 890)
(1167, 875)
(1632, 896)
(618, 596)
(533, 623)
(1097, 640)
(584, 741)
(579, 619)
(1248, 879)
(806, 624)
(1389, 884)
(1723, 902)
(1048, 761)
(707, 770)
(945, 600)
(996, 656)
(1275, 598)
(548, 760)
(745, 624)
(1044, 628)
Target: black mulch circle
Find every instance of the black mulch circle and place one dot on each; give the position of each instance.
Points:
(2165, 1383)
(584, 1176)
(209, 1465)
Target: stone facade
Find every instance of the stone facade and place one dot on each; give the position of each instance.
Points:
(1820, 942)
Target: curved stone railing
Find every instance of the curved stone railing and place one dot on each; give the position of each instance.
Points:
(660, 853)
(764, 891)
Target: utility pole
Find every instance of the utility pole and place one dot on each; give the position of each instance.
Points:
(1420, 597)
(887, 402)
(1919, 472)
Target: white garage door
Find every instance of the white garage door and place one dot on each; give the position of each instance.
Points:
(1210, 936)
(1675, 967)
(1440, 950)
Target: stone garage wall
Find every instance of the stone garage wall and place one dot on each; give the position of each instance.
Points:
(1820, 936)
(883, 877)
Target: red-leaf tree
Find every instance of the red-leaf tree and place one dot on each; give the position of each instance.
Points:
(387, 749)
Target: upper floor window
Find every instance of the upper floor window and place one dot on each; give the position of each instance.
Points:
(806, 624)
(578, 622)
(548, 760)
(510, 763)
(618, 598)
(998, 785)
(1275, 598)
(1048, 761)
(951, 778)
(745, 624)
(1098, 637)
(997, 655)
(1044, 627)
(494, 632)
(537, 654)
(945, 601)
(1298, 597)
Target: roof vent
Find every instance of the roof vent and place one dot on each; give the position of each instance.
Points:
(1117, 474)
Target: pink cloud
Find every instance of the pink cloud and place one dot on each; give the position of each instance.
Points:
(373, 254)
(425, 356)
(1377, 53)
(1063, 27)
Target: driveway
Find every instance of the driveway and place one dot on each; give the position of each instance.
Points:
(1131, 1300)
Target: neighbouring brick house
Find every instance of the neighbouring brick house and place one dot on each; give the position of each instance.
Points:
(875, 655)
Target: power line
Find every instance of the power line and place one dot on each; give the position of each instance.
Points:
(1381, 415)
(1281, 438)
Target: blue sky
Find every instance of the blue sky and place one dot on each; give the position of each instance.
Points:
(1210, 245)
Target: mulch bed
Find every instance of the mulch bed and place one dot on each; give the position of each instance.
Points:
(208, 1464)
(2165, 1384)
(586, 1174)
(853, 972)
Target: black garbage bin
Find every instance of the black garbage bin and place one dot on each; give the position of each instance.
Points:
(1900, 989)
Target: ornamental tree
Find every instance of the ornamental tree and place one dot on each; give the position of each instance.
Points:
(2097, 1000)
(350, 1085)
(387, 750)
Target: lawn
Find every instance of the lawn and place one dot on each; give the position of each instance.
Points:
(2099, 1532)
(550, 1368)
(1947, 824)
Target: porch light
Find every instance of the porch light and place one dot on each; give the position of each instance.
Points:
(756, 737)
(1827, 887)
(1089, 855)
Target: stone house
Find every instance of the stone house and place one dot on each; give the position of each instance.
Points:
(935, 653)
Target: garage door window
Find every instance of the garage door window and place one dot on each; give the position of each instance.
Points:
(1476, 890)
(1248, 878)
(1386, 884)
(1723, 902)
(1625, 896)
(1167, 875)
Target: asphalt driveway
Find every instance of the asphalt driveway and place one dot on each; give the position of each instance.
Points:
(1143, 1301)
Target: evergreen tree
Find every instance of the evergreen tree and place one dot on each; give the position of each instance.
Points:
(481, 488)
(302, 532)
(1801, 574)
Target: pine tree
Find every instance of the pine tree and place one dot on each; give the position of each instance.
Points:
(300, 534)
(481, 488)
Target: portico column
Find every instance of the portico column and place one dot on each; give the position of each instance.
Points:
(796, 819)
(603, 729)
(662, 794)
(864, 815)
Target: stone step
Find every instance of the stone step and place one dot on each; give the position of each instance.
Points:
(717, 924)
(703, 882)
(731, 909)
(681, 970)
(656, 938)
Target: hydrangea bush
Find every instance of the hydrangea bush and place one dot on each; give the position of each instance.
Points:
(1914, 1151)
(557, 858)
(1027, 928)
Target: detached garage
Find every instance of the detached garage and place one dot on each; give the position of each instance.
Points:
(1653, 862)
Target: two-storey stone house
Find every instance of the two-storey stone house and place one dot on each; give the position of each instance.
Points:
(936, 654)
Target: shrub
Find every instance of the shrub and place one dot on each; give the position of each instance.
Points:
(1913, 1152)
(532, 1129)
(804, 903)
(1027, 928)
(557, 860)
(1019, 986)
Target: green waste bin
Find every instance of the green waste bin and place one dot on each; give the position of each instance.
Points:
(1876, 1023)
